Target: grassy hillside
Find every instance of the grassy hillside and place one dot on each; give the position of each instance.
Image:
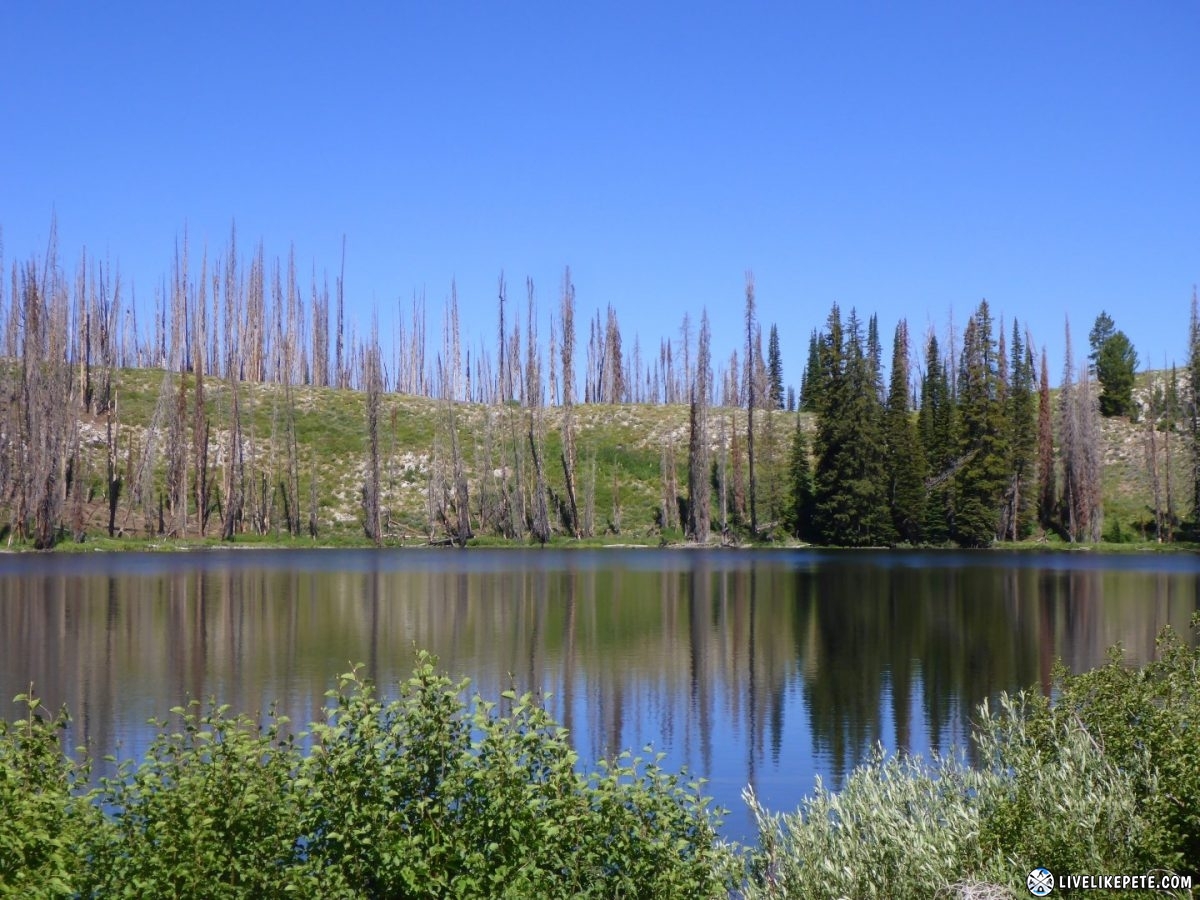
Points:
(621, 454)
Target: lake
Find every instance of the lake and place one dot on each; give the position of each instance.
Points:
(763, 668)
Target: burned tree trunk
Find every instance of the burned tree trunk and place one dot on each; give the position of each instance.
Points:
(699, 484)
(372, 520)
(568, 400)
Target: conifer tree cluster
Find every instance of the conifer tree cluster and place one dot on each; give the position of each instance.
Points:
(963, 467)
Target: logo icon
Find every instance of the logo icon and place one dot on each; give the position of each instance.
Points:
(1040, 882)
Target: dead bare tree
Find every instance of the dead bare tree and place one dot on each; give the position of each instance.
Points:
(751, 399)
(1155, 481)
(343, 374)
(41, 417)
(503, 394)
(373, 377)
(113, 480)
(1079, 435)
(737, 483)
(588, 523)
(291, 493)
(1087, 412)
(670, 484)
(253, 333)
(177, 468)
(489, 493)
(201, 432)
(78, 489)
(1047, 486)
(451, 347)
(462, 497)
(83, 334)
(457, 513)
(614, 520)
(312, 497)
(699, 485)
(540, 522)
(233, 480)
(1069, 446)
(612, 384)
(567, 314)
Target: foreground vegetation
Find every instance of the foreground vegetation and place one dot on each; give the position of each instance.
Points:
(435, 795)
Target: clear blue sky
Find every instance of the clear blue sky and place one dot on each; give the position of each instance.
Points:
(904, 158)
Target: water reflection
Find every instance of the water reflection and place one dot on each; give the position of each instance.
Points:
(764, 669)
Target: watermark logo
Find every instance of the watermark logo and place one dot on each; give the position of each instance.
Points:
(1040, 882)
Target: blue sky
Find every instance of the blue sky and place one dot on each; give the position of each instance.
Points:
(903, 158)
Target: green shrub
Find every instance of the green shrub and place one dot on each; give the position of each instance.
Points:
(212, 811)
(1056, 799)
(900, 827)
(427, 796)
(1105, 780)
(39, 823)
(1145, 722)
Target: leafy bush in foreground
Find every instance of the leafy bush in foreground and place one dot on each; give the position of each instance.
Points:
(424, 796)
(39, 827)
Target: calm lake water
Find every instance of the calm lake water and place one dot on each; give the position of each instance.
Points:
(760, 668)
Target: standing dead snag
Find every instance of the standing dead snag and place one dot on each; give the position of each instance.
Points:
(539, 524)
(233, 487)
(751, 399)
(113, 480)
(699, 485)
(502, 392)
(568, 399)
(460, 528)
(343, 371)
(372, 521)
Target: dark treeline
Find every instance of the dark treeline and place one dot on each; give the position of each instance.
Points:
(974, 449)
(965, 450)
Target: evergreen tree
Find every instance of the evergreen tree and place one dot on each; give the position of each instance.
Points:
(937, 429)
(875, 356)
(800, 486)
(850, 483)
(811, 381)
(983, 475)
(775, 369)
(905, 463)
(1115, 362)
(1016, 519)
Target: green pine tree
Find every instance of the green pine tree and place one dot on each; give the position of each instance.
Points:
(1020, 504)
(850, 480)
(937, 430)
(905, 462)
(983, 435)
(1115, 363)
(811, 381)
(775, 369)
